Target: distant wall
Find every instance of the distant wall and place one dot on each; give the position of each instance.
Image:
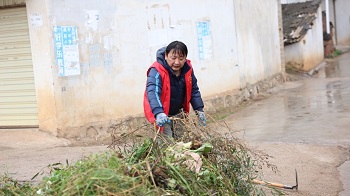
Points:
(342, 27)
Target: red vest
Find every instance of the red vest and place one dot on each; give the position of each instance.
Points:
(165, 96)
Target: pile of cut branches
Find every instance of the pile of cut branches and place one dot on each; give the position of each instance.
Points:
(205, 161)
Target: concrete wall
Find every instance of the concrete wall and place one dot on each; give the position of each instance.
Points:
(118, 41)
(342, 23)
(43, 64)
(258, 35)
(308, 52)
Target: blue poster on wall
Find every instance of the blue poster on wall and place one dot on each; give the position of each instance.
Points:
(204, 40)
(66, 50)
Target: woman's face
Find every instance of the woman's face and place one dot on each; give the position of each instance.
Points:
(175, 60)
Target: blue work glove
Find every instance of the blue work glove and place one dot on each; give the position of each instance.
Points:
(161, 119)
(202, 120)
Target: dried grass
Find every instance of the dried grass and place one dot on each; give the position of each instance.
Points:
(207, 160)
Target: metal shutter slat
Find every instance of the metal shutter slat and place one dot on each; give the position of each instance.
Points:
(18, 104)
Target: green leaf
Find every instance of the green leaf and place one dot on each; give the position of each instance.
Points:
(204, 149)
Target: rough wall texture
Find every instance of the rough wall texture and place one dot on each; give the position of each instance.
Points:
(118, 40)
(100, 132)
(42, 51)
(329, 48)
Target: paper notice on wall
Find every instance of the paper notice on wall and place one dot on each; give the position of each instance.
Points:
(66, 50)
(204, 40)
(36, 19)
(92, 18)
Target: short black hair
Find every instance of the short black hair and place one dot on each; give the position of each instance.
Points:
(179, 48)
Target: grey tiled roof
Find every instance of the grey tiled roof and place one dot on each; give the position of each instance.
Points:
(297, 19)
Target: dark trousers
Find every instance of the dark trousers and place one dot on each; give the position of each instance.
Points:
(173, 131)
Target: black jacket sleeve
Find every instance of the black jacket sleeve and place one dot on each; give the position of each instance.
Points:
(154, 90)
(196, 99)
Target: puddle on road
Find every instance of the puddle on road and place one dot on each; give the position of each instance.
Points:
(315, 110)
(338, 68)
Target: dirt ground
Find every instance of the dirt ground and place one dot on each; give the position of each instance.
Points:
(25, 152)
(316, 167)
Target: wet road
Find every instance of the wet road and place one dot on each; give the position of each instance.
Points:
(313, 111)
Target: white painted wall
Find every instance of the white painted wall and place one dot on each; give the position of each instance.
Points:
(308, 52)
(42, 58)
(313, 47)
(219, 73)
(258, 39)
(342, 8)
(118, 46)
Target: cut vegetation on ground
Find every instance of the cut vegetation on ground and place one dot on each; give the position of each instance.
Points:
(205, 161)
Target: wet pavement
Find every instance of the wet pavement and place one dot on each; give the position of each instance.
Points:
(312, 111)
